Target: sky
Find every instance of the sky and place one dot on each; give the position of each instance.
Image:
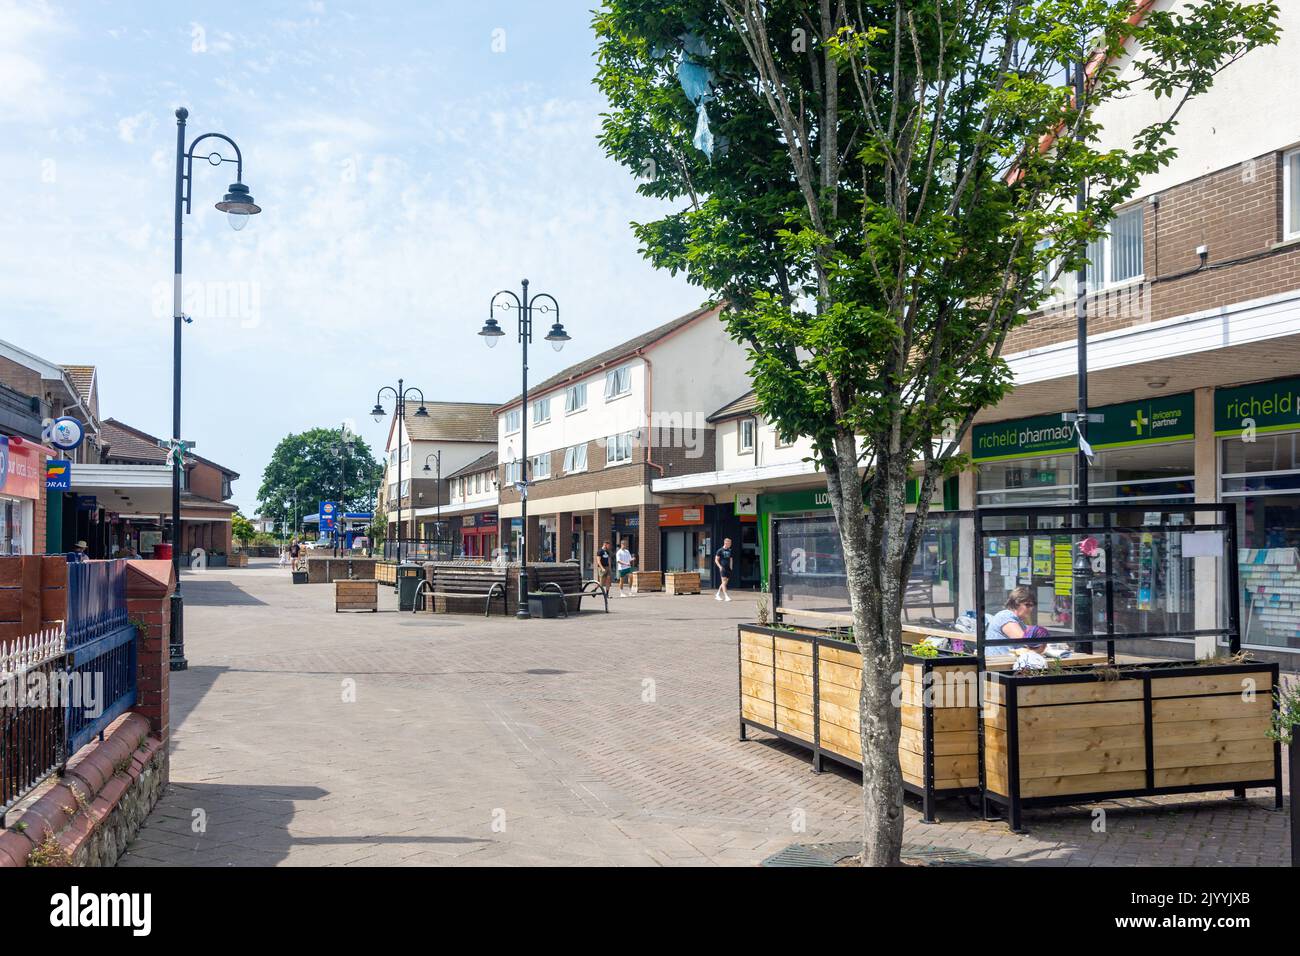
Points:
(410, 158)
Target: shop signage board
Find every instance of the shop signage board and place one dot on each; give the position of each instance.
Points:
(681, 515)
(58, 475)
(1162, 419)
(327, 513)
(87, 503)
(1261, 407)
(20, 470)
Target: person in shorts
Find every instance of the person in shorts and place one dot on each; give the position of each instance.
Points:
(722, 561)
(625, 560)
(603, 557)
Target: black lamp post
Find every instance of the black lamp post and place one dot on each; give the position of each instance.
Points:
(436, 457)
(492, 331)
(378, 413)
(238, 206)
(342, 449)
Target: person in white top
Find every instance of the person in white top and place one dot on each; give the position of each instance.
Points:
(624, 559)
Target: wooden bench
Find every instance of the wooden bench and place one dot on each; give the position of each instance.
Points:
(356, 596)
(458, 590)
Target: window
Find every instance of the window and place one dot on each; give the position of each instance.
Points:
(512, 472)
(541, 466)
(392, 492)
(575, 459)
(406, 488)
(541, 411)
(746, 434)
(1291, 195)
(406, 453)
(618, 449)
(512, 421)
(783, 440)
(575, 398)
(1117, 256)
(618, 382)
(392, 456)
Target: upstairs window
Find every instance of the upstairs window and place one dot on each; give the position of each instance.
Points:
(575, 398)
(746, 434)
(512, 421)
(618, 382)
(541, 466)
(541, 411)
(512, 473)
(618, 449)
(575, 459)
(1291, 195)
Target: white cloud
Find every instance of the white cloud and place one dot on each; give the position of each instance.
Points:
(128, 125)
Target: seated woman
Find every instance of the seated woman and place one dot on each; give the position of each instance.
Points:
(1013, 622)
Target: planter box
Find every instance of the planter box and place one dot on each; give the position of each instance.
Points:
(356, 596)
(647, 581)
(1131, 731)
(238, 560)
(386, 572)
(682, 582)
(804, 688)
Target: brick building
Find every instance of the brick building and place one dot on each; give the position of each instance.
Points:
(1193, 338)
(601, 431)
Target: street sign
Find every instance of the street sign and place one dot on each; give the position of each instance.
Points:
(66, 434)
(746, 503)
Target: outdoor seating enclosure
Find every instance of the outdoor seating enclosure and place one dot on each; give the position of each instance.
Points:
(1153, 696)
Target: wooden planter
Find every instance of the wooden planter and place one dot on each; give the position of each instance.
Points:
(647, 581)
(1131, 731)
(682, 582)
(238, 560)
(356, 596)
(804, 688)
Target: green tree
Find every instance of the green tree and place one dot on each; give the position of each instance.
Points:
(306, 469)
(241, 529)
(891, 188)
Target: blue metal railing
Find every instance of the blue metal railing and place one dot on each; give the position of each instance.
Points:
(101, 650)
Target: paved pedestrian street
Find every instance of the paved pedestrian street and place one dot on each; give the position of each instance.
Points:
(302, 736)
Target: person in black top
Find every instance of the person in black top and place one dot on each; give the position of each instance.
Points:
(602, 564)
(722, 560)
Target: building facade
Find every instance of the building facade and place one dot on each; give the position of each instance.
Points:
(602, 431)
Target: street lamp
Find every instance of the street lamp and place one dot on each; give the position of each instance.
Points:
(378, 413)
(437, 491)
(491, 332)
(238, 205)
(342, 448)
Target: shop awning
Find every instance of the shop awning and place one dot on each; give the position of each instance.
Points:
(126, 489)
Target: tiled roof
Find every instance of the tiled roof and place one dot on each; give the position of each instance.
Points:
(136, 445)
(486, 462)
(740, 406)
(452, 421)
(609, 356)
(83, 377)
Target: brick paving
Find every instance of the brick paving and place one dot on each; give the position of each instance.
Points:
(305, 737)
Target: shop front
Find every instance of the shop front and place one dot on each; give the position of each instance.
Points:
(686, 541)
(22, 485)
(1257, 428)
(478, 535)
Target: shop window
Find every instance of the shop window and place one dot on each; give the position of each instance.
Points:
(1291, 194)
(575, 398)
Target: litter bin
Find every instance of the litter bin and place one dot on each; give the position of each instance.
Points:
(162, 551)
(409, 577)
(545, 603)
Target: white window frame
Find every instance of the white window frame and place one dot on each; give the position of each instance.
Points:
(746, 425)
(618, 449)
(542, 410)
(406, 452)
(513, 472)
(618, 382)
(1290, 185)
(513, 420)
(405, 491)
(541, 466)
(781, 440)
(572, 454)
(575, 398)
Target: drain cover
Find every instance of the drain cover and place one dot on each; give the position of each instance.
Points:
(830, 854)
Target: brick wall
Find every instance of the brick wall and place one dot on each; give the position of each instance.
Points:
(1235, 212)
(149, 585)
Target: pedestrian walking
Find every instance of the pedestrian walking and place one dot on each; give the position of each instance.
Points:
(625, 559)
(603, 558)
(722, 560)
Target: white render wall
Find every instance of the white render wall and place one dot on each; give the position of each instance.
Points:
(697, 371)
(599, 419)
(1250, 110)
(730, 458)
(486, 497)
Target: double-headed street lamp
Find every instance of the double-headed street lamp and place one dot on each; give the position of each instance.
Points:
(238, 205)
(436, 458)
(378, 413)
(491, 332)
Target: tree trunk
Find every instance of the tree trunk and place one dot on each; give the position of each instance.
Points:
(874, 597)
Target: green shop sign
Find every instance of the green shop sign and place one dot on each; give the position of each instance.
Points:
(1164, 419)
(812, 499)
(1263, 407)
